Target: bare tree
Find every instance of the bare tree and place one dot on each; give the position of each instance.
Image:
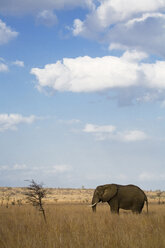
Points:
(35, 194)
(2, 199)
(13, 202)
(8, 199)
(19, 202)
(159, 194)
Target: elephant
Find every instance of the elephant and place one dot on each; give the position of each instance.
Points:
(128, 197)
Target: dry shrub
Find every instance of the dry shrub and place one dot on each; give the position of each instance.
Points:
(75, 226)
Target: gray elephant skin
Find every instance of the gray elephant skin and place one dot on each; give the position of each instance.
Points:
(128, 197)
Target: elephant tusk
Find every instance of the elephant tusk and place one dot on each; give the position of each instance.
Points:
(93, 204)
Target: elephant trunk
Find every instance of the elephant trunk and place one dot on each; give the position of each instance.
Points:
(94, 207)
(95, 200)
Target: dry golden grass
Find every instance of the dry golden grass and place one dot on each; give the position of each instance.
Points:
(75, 226)
(9, 195)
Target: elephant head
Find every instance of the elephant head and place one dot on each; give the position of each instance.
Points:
(103, 194)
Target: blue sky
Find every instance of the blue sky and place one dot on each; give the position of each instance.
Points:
(82, 92)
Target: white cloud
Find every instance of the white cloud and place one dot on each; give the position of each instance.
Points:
(18, 63)
(123, 9)
(11, 121)
(126, 23)
(86, 74)
(19, 7)
(47, 18)
(6, 33)
(109, 132)
(129, 76)
(117, 46)
(90, 128)
(138, 32)
(15, 167)
(148, 176)
(133, 135)
(3, 67)
(56, 169)
(78, 27)
(60, 168)
(111, 12)
(155, 74)
(20, 167)
(143, 18)
(134, 56)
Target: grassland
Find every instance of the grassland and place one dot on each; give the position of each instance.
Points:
(73, 225)
(9, 195)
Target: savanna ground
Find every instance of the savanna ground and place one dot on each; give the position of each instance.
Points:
(73, 225)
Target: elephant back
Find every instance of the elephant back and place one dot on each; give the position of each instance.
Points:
(133, 191)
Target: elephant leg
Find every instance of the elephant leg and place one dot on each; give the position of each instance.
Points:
(138, 208)
(114, 207)
(114, 211)
(135, 211)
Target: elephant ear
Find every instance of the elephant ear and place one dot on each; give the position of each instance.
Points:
(109, 192)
